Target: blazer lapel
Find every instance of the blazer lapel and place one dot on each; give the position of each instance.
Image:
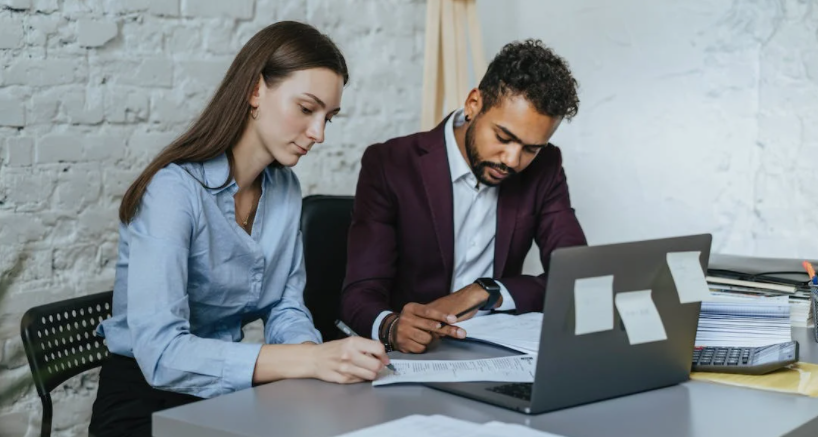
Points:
(434, 168)
(507, 205)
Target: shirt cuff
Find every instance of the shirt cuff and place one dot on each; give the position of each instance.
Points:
(239, 365)
(508, 301)
(377, 323)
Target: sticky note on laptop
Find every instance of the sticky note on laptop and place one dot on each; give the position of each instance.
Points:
(593, 304)
(688, 276)
(640, 316)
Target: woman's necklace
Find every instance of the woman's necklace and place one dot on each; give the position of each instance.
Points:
(246, 221)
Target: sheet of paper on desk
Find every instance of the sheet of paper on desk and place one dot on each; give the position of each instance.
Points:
(443, 426)
(688, 276)
(593, 305)
(515, 430)
(518, 368)
(640, 316)
(521, 333)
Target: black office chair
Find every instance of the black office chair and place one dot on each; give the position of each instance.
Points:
(325, 223)
(60, 343)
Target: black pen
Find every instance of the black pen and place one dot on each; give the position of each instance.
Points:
(464, 312)
(350, 333)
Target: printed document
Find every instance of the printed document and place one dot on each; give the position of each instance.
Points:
(520, 368)
(520, 333)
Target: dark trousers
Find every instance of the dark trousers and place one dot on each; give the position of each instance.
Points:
(125, 401)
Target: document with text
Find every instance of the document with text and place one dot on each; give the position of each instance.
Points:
(519, 368)
(521, 333)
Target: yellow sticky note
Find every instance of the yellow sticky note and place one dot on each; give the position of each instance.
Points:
(640, 316)
(688, 276)
(593, 305)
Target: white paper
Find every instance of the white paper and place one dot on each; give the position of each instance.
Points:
(515, 430)
(418, 425)
(444, 426)
(744, 321)
(521, 333)
(519, 368)
(640, 316)
(688, 275)
(593, 305)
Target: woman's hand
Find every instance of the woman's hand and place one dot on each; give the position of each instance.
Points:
(352, 359)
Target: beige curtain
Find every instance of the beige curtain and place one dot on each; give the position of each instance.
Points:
(452, 27)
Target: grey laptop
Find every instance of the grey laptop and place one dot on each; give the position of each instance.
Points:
(574, 370)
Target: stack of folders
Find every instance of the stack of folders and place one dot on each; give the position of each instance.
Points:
(438, 425)
(727, 320)
(797, 296)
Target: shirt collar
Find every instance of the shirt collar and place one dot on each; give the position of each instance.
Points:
(458, 167)
(216, 172)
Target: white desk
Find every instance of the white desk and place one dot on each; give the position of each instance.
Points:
(315, 409)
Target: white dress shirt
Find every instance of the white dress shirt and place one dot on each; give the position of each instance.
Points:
(475, 223)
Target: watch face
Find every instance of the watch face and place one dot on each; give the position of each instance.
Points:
(493, 288)
(489, 284)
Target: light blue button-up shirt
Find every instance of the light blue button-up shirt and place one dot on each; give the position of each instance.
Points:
(188, 277)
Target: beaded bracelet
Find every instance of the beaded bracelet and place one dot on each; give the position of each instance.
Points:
(391, 331)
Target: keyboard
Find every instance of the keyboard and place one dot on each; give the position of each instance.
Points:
(519, 390)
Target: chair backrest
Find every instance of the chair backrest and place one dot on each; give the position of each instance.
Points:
(59, 341)
(325, 224)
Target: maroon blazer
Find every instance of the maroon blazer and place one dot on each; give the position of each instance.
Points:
(401, 241)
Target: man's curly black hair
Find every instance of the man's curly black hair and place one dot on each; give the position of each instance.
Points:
(531, 70)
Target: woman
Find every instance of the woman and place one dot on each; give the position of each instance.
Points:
(209, 241)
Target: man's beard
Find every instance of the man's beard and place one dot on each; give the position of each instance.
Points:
(478, 167)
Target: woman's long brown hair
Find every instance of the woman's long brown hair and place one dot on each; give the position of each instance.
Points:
(274, 53)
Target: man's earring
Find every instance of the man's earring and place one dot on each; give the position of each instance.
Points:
(254, 112)
(468, 119)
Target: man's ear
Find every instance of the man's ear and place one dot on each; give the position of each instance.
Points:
(473, 104)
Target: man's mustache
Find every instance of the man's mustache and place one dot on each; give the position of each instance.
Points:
(498, 166)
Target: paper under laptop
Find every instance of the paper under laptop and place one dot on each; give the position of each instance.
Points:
(519, 368)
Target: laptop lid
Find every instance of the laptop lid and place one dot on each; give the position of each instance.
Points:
(578, 369)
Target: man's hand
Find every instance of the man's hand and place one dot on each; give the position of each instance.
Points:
(419, 324)
(470, 296)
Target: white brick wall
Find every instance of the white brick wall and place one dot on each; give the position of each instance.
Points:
(91, 90)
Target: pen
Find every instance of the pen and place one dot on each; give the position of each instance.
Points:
(810, 271)
(464, 312)
(350, 333)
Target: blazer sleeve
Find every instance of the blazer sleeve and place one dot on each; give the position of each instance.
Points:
(372, 247)
(556, 226)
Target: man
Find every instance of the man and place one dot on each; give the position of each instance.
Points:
(436, 211)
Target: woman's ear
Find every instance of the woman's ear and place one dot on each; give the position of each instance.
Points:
(255, 96)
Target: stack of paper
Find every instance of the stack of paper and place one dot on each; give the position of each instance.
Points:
(727, 321)
(750, 277)
(520, 333)
(800, 314)
(444, 426)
